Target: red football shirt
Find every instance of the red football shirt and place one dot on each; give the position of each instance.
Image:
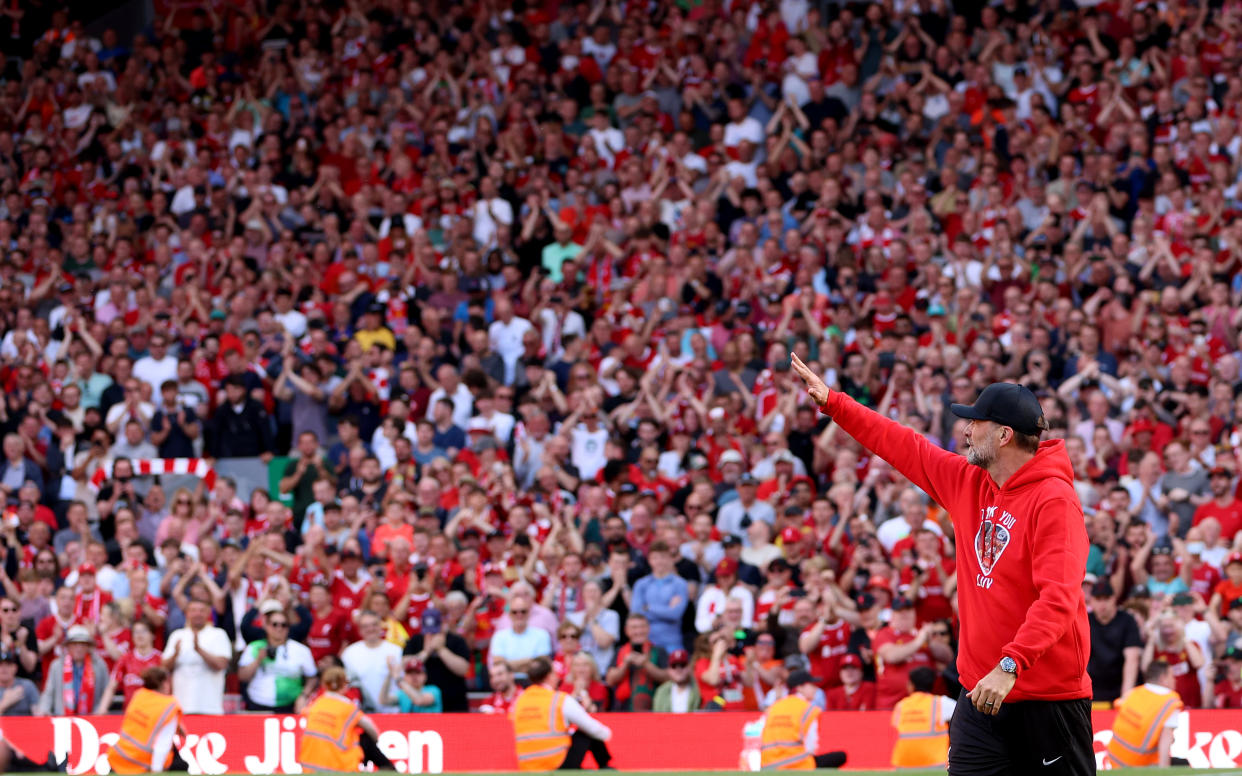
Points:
(891, 678)
(1228, 592)
(862, 699)
(1229, 516)
(346, 595)
(825, 659)
(44, 630)
(1228, 696)
(129, 668)
(327, 633)
(499, 704)
(932, 603)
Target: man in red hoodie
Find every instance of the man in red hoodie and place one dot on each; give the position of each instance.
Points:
(1022, 553)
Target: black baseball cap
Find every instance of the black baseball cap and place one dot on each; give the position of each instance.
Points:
(799, 678)
(1103, 589)
(1008, 404)
(901, 602)
(1233, 653)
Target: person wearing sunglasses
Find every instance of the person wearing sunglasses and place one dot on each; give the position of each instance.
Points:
(17, 637)
(278, 670)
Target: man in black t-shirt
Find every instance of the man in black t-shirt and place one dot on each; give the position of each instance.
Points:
(1116, 645)
(17, 638)
(446, 656)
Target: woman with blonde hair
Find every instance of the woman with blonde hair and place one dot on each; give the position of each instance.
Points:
(180, 508)
(1166, 640)
(582, 682)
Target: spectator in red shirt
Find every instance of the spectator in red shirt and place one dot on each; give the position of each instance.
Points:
(127, 674)
(852, 694)
(825, 643)
(582, 681)
(726, 680)
(1228, 693)
(929, 578)
(1224, 506)
(51, 629)
(350, 580)
(330, 628)
(1228, 589)
(90, 601)
(900, 647)
(504, 690)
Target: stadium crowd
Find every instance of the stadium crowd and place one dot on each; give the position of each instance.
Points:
(508, 290)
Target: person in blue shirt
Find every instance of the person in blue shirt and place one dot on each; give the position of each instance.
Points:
(413, 694)
(1163, 578)
(661, 597)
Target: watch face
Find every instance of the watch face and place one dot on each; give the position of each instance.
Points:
(1008, 665)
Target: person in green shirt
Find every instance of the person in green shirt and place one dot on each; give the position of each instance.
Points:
(413, 694)
(557, 253)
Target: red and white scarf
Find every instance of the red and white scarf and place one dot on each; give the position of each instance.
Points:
(87, 607)
(84, 703)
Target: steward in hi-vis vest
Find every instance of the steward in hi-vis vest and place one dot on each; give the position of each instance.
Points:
(1146, 719)
(921, 720)
(542, 718)
(337, 733)
(791, 730)
(152, 718)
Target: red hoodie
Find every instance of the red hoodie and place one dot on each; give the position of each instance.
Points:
(1022, 553)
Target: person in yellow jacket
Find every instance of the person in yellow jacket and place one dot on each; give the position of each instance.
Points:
(921, 720)
(1146, 719)
(152, 718)
(542, 717)
(334, 725)
(791, 730)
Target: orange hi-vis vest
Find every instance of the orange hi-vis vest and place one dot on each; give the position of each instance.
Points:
(330, 740)
(922, 738)
(539, 729)
(785, 726)
(147, 712)
(1141, 716)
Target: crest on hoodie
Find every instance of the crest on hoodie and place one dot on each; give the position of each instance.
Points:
(992, 538)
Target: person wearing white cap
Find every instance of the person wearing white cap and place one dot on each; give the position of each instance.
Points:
(737, 515)
(76, 680)
(730, 463)
(278, 669)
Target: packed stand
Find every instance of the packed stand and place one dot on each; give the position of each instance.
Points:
(508, 292)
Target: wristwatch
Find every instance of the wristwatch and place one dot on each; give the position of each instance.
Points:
(1009, 665)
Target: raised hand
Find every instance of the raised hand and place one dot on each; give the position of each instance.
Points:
(815, 385)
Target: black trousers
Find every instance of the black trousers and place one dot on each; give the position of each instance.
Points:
(19, 763)
(579, 744)
(371, 753)
(830, 760)
(178, 763)
(252, 706)
(1039, 738)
